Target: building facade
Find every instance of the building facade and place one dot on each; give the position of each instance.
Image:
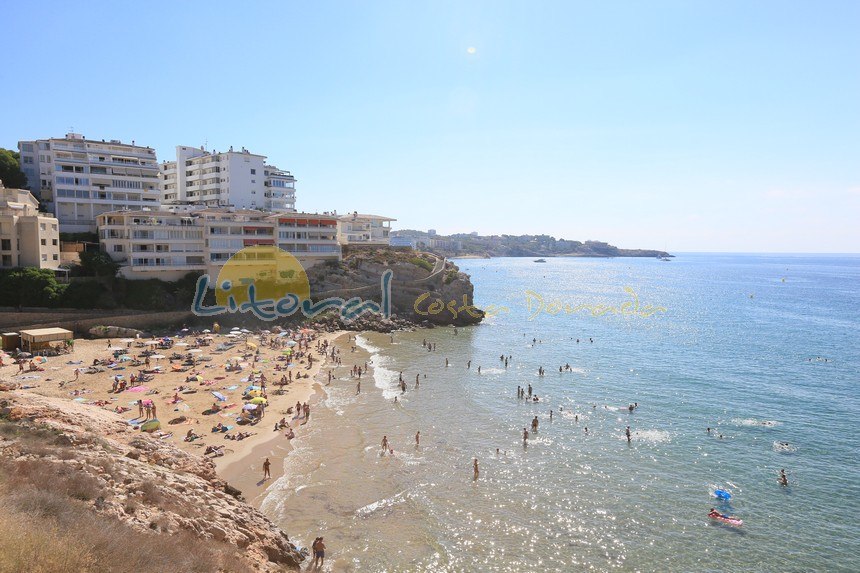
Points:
(28, 238)
(168, 244)
(238, 179)
(364, 230)
(78, 179)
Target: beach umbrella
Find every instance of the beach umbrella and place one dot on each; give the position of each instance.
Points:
(24, 355)
(127, 340)
(221, 397)
(249, 407)
(181, 344)
(231, 335)
(259, 400)
(157, 356)
(184, 330)
(125, 358)
(197, 378)
(251, 345)
(195, 351)
(291, 343)
(206, 331)
(235, 328)
(254, 393)
(40, 360)
(152, 342)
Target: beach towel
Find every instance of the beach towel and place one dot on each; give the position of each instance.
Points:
(137, 389)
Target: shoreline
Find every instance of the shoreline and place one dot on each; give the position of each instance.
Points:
(244, 470)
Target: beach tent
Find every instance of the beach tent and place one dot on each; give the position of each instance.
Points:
(39, 338)
(150, 425)
(11, 340)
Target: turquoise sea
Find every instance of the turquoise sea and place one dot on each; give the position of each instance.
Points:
(761, 348)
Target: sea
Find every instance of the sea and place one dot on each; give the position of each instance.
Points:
(761, 349)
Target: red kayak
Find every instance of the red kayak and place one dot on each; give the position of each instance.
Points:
(727, 519)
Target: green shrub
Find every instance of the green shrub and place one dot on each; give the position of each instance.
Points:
(419, 262)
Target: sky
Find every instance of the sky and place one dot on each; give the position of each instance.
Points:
(686, 126)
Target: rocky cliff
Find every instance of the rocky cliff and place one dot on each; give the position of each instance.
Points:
(425, 288)
(64, 465)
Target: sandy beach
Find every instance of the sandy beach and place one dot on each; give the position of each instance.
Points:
(183, 395)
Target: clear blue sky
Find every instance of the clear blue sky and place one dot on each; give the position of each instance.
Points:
(690, 126)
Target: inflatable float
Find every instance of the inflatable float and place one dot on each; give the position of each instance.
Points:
(727, 519)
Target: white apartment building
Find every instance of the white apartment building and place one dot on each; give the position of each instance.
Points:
(239, 179)
(364, 230)
(79, 178)
(167, 244)
(28, 238)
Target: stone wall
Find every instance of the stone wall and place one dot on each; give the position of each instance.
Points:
(80, 321)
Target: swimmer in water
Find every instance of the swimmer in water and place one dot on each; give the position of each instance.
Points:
(627, 433)
(783, 479)
(475, 468)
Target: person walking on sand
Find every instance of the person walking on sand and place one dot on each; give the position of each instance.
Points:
(266, 471)
(384, 444)
(475, 468)
(358, 387)
(417, 438)
(318, 549)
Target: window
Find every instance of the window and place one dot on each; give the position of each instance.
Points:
(54, 242)
(27, 159)
(253, 171)
(7, 260)
(117, 248)
(26, 147)
(44, 242)
(44, 258)
(5, 244)
(42, 226)
(56, 257)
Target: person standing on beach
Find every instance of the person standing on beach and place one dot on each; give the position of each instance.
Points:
(266, 473)
(535, 424)
(318, 549)
(358, 387)
(384, 444)
(475, 468)
(417, 438)
(525, 436)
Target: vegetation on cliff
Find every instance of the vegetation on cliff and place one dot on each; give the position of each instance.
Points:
(460, 245)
